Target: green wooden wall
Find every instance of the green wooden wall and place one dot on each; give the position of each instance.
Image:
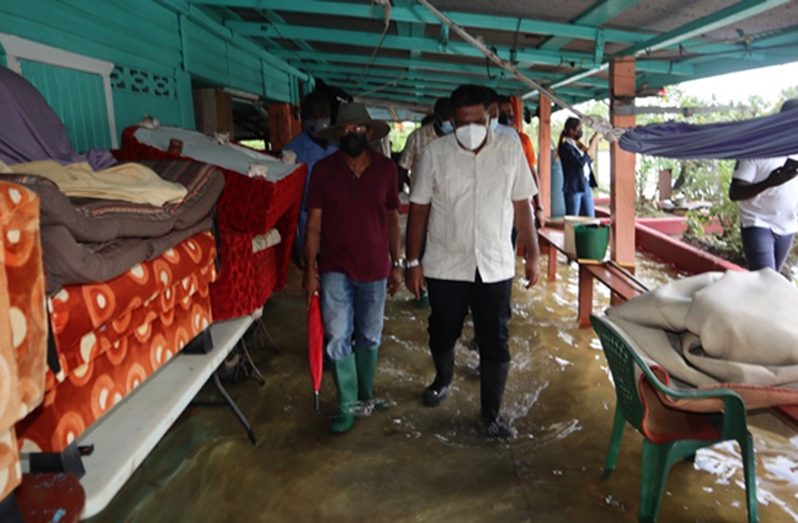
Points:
(77, 97)
(157, 47)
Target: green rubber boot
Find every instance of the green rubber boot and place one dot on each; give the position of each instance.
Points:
(345, 372)
(366, 360)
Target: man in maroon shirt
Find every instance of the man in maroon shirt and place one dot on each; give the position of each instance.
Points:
(354, 217)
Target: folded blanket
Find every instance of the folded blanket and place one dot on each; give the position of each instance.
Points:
(130, 182)
(737, 327)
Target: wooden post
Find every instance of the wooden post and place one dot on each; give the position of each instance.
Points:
(551, 268)
(585, 307)
(665, 184)
(283, 125)
(518, 113)
(544, 154)
(622, 190)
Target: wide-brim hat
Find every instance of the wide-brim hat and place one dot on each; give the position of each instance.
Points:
(355, 114)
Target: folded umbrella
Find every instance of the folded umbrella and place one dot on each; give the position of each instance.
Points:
(315, 345)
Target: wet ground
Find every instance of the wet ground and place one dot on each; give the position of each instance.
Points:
(412, 463)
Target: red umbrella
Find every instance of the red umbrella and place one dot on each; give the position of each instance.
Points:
(315, 345)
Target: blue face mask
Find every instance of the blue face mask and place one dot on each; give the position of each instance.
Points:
(447, 127)
(494, 124)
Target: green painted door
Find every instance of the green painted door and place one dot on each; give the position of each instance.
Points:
(78, 98)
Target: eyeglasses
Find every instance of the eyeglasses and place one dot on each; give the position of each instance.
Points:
(352, 129)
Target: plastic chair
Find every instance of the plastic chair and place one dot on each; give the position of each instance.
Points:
(658, 458)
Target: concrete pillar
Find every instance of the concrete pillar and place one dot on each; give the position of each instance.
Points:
(544, 153)
(622, 187)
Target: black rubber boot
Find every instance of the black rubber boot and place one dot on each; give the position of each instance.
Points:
(444, 372)
(493, 378)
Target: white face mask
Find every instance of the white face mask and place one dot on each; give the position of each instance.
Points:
(471, 136)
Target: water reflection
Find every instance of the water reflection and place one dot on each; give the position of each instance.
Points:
(414, 463)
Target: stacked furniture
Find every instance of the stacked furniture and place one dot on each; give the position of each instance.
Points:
(258, 208)
(127, 283)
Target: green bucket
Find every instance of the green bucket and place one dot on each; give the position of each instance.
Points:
(591, 241)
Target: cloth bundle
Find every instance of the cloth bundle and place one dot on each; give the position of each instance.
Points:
(129, 182)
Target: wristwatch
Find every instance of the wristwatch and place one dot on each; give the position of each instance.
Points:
(399, 264)
(413, 263)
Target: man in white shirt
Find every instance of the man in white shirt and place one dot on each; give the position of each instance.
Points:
(493, 112)
(468, 190)
(767, 192)
(441, 125)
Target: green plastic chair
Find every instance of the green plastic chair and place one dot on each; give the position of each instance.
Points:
(658, 459)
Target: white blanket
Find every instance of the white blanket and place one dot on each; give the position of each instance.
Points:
(737, 327)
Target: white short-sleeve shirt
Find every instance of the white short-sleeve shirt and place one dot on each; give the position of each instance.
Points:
(775, 208)
(472, 210)
(416, 143)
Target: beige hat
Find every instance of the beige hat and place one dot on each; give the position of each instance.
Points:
(355, 114)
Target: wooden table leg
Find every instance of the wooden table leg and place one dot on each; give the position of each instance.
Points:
(585, 297)
(616, 299)
(551, 272)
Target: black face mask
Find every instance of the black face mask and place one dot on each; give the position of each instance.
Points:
(507, 119)
(354, 144)
(578, 135)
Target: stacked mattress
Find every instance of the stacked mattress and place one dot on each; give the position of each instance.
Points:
(128, 288)
(127, 283)
(23, 325)
(110, 336)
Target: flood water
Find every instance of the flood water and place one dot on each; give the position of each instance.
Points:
(412, 463)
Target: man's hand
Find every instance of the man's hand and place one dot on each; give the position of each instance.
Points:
(414, 279)
(532, 271)
(541, 218)
(395, 281)
(780, 176)
(310, 284)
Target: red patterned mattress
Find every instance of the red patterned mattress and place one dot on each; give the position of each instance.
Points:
(23, 324)
(110, 337)
(248, 207)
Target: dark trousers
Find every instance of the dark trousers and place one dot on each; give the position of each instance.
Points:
(764, 248)
(490, 307)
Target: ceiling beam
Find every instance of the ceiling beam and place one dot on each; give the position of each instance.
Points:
(414, 14)
(725, 66)
(430, 45)
(456, 78)
(376, 101)
(398, 94)
(407, 63)
(735, 13)
(417, 74)
(587, 30)
(730, 15)
(430, 88)
(425, 89)
(596, 16)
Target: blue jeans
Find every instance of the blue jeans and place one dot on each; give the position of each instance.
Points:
(580, 204)
(351, 309)
(764, 248)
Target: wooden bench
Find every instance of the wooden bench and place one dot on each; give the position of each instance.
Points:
(621, 282)
(551, 241)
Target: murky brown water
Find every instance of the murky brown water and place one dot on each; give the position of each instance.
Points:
(413, 463)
